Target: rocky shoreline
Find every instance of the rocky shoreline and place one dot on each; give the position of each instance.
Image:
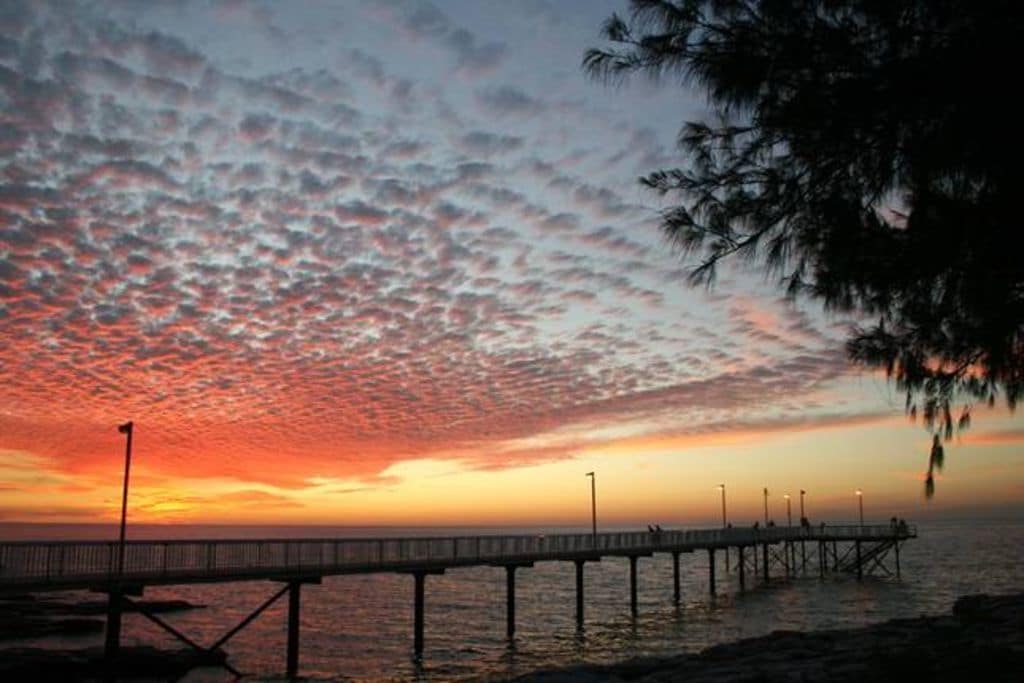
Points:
(982, 640)
(87, 664)
(27, 616)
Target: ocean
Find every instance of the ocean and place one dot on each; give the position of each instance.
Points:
(360, 627)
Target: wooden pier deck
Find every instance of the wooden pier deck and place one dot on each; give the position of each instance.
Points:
(97, 565)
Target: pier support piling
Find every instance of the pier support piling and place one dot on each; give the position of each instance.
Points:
(579, 595)
(419, 586)
(675, 578)
(112, 640)
(510, 595)
(420, 580)
(510, 600)
(632, 584)
(835, 556)
(765, 561)
(711, 570)
(116, 599)
(860, 567)
(896, 547)
(743, 568)
(294, 588)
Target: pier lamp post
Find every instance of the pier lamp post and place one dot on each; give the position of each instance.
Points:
(721, 487)
(125, 429)
(593, 508)
(725, 524)
(766, 506)
(860, 504)
(803, 530)
(788, 547)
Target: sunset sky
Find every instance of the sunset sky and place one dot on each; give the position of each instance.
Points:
(388, 263)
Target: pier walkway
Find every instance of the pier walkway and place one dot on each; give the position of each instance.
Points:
(98, 565)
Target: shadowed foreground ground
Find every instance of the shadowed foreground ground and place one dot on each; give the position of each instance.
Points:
(983, 640)
(28, 616)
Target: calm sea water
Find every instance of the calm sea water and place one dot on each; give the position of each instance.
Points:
(360, 627)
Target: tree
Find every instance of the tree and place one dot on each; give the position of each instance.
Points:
(860, 153)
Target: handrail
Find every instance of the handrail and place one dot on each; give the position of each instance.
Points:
(80, 562)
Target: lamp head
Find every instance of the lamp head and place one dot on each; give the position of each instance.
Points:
(126, 428)
(859, 492)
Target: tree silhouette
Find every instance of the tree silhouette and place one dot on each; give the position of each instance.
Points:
(861, 154)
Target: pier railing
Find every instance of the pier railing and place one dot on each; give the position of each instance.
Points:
(74, 563)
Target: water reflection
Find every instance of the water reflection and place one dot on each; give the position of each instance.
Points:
(360, 627)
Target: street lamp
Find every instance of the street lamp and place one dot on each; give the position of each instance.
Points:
(789, 511)
(766, 506)
(593, 507)
(860, 504)
(721, 487)
(725, 523)
(126, 429)
(803, 530)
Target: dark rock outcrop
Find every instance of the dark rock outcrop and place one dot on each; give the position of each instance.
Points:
(26, 616)
(21, 664)
(983, 640)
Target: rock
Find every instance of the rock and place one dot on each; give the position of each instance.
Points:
(982, 641)
(87, 664)
(26, 616)
(24, 628)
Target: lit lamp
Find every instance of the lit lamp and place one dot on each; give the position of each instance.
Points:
(721, 487)
(725, 523)
(593, 507)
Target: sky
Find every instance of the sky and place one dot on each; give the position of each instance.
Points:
(389, 263)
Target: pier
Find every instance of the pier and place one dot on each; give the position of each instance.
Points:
(97, 565)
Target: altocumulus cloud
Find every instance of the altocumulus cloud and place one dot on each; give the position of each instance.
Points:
(289, 257)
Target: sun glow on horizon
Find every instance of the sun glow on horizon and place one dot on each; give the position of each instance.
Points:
(639, 480)
(354, 263)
